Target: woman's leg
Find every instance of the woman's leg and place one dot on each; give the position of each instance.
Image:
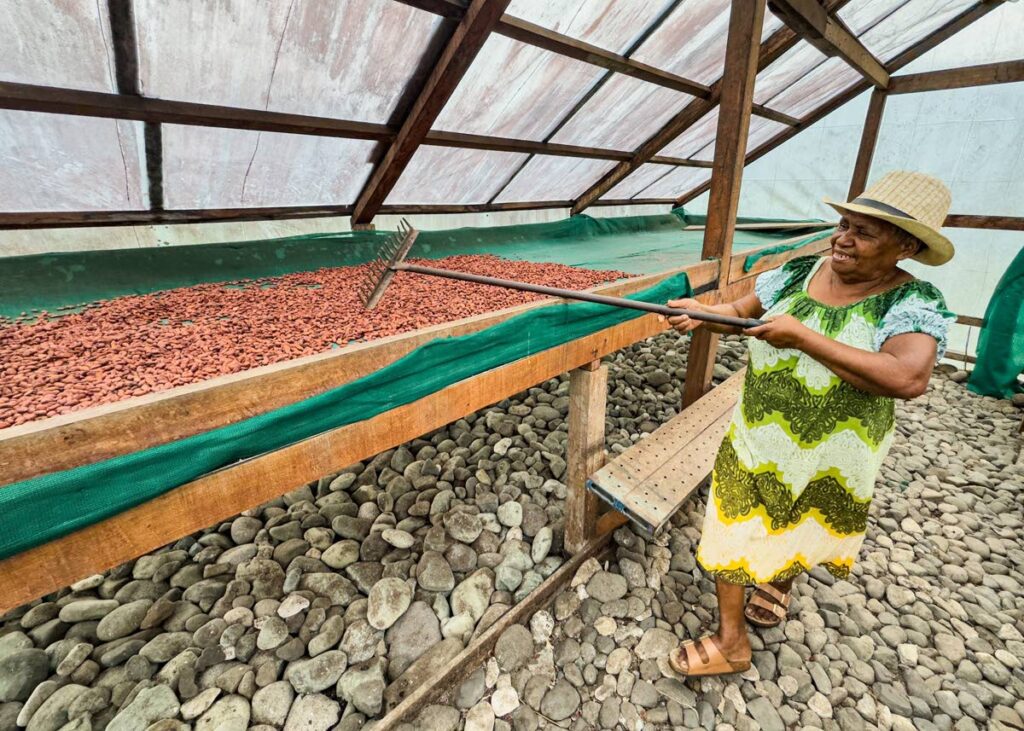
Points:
(765, 615)
(732, 625)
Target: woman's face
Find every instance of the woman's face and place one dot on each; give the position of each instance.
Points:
(866, 248)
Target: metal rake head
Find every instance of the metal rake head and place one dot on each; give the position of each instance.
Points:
(380, 271)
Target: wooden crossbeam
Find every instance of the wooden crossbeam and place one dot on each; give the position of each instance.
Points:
(951, 28)
(1006, 72)
(868, 140)
(1001, 223)
(469, 37)
(830, 36)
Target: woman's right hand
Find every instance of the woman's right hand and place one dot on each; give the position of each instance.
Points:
(684, 323)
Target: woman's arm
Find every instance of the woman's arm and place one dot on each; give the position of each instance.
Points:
(901, 369)
(747, 307)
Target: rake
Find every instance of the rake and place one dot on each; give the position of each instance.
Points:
(396, 247)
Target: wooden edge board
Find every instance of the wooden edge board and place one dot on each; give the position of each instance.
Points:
(228, 491)
(467, 661)
(81, 437)
(773, 261)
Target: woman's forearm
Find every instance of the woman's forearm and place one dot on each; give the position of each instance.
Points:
(882, 374)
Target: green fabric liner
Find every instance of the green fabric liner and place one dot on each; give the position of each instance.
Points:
(752, 259)
(1000, 349)
(41, 509)
(634, 244)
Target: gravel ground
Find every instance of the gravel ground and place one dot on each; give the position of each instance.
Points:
(321, 610)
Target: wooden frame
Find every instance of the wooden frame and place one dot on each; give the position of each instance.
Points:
(1006, 72)
(74, 439)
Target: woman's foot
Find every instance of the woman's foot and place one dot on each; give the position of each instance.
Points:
(711, 655)
(768, 604)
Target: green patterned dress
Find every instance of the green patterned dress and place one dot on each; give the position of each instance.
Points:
(794, 476)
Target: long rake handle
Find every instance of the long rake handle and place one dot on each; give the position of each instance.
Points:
(573, 294)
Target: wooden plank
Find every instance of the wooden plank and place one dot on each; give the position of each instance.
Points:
(868, 138)
(773, 226)
(475, 25)
(469, 660)
(830, 36)
(1005, 72)
(588, 394)
(245, 485)
(741, 58)
(954, 26)
(970, 321)
(90, 435)
(955, 355)
(1001, 223)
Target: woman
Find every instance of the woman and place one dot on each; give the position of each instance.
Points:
(844, 336)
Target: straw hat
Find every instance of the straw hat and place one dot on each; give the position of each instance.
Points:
(914, 202)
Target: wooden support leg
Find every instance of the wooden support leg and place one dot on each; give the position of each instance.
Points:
(588, 392)
(700, 365)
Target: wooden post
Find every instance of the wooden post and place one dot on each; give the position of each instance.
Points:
(588, 392)
(868, 138)
(741, 52)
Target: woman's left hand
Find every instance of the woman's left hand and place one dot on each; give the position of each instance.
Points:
(782, 331)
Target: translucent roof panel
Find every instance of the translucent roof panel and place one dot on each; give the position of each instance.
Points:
(639, 179)
(549, 178)
(789, 68)
(516, 90)
(54, 162)
(815, 88)
(205, 167)
(676, 183)
(349, 60)
(911, 23)
(695, 138)
(761, 130)
(57, 44)
(998, 36)
(454, 175)
(610, 24)
(622, 114)
(859, 15)
(691, 42)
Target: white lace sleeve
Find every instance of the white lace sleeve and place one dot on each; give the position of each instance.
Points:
(915, 314)
(768, 285)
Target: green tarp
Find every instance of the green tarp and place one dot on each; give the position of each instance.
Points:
(1001, 344)
(635, 244)
(44, 508)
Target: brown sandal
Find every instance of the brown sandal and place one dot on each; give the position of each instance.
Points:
(703, 657)
(777, 602)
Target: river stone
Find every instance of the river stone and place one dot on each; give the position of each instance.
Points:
(341, 554)
(200, 704)
(438, 718)
(607, 587)
(434, 574)
(318, 673)
(313, 713)
(762, 711)
(149, 706)
(510, 514)
(462, 526)
(474, 594)
(514, 648)
(363, 687)
(480, 717)
(413, 634)
(271, 703)
(20, 672)
(656, 643)
(541, 544)
(398, 538)
(504, 701)
(389, 598)
(420, 671)
(360, 641)
(230, 713)
(83, 610)
(273, 633)
(53, 712)
(122, 621)
(561, 701)
(339, 590)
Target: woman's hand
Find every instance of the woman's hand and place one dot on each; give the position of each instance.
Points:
(782, 331)
(684, 323)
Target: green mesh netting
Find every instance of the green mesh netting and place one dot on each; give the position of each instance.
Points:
(635, 244)
(1001, 344)
(44, 508)
(752, 259)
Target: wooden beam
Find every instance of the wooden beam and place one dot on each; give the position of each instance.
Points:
(868, 139)
(221, 494)
(830, 36)
(741, 53)
(469, 37)
(970, 321)
(1001, 223)
(1005, 72)
(951, 28)
(759, 110)
(588, 395)
(736, 264)
(98, 433)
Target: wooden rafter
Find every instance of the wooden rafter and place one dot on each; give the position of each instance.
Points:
(830, 36)
(868, 139)
(951, 28)
(1006, 72)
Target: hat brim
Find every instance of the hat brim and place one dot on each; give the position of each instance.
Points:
(937, 248)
